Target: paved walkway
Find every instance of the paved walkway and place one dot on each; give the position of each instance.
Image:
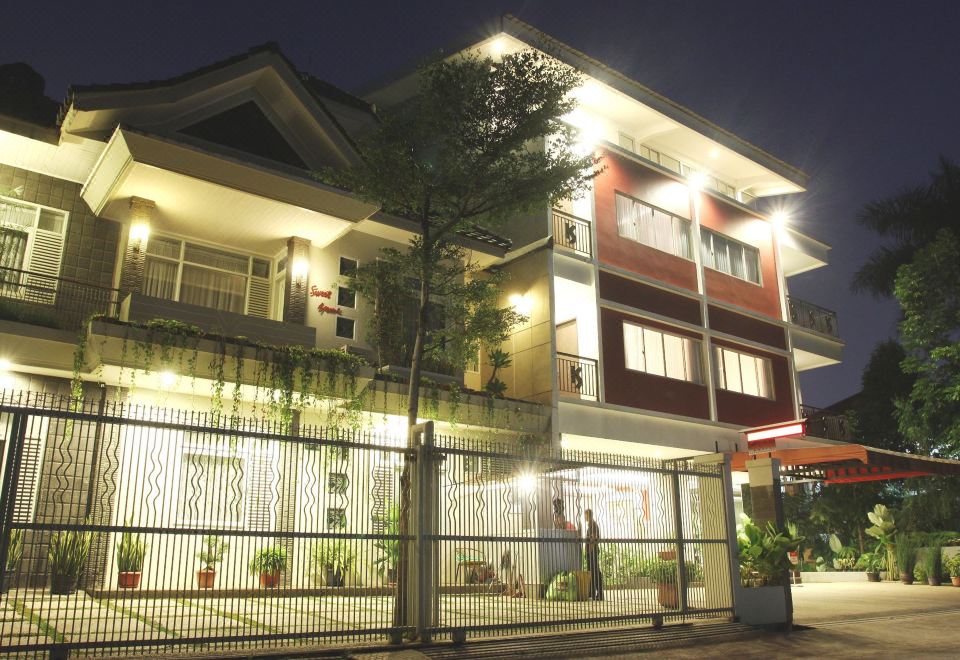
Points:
(817, 604)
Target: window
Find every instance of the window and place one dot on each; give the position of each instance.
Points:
(345, 327)
(347, 266)
(207, 276)
(213, 488)
(336, 519)
(743, 373)
(627, 142)
(337, 483)
(346, 297)
(661, 354)
(644, 224)
(730, 256)
(31, 239)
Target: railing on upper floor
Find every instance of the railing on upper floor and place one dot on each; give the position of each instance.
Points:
(578, 375)
(813, 317)
(826, 424)
(572, 233)
(54, 302)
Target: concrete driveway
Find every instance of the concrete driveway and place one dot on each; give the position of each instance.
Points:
(818, 604)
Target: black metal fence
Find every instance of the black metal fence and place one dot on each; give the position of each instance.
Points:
(578, 375)
(573, 233)
(56, 302)
(129, 526)
(813, 317)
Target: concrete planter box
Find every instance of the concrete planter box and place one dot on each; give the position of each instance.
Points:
(815, 577)
(762, 606)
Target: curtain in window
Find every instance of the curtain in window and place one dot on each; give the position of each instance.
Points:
(737, 268)
(681, 238)
(720, 259)
(209, 288)
(159, 278)
(653, 352)
(17, 215)
(752, 263)
(626, 221)
(633, 347)
(692, 359)
(13, 247)
(674, 357)
(706, 249)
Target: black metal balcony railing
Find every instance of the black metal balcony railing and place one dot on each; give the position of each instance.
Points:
(825, 424)
(572, 233)
(812, 317)
(577, 375)
(54, 302)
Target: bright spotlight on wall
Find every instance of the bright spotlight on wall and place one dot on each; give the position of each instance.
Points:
(780, 218)
(521, 304)
(139, 233)
(299, 270)
(697, 180)
(527, 483)
(167, 379)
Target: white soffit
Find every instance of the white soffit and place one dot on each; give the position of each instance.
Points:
(72, 159)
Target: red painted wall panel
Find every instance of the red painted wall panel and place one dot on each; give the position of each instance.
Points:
(650, 298)
(732, 221)
(626, 176)
(639, 390)
(749, 411)
(747, 327)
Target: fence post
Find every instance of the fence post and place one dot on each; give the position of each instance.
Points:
(11, 474)
(423, 583)
(678, 527)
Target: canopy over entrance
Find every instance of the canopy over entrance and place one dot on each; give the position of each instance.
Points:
(849, 463)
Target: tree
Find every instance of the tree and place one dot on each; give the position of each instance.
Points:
(875, 408)
(481, 143)
(929, 294)
(908, 220)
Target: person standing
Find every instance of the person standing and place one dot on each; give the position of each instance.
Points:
(593, 555)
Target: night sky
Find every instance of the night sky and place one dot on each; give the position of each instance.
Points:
(863, 96)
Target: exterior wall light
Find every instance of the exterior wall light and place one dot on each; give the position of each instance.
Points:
(527, 483)
(139, 234)
(521, 304)
(167, 380)
(780, 219)
(697, 180)
(298, 272)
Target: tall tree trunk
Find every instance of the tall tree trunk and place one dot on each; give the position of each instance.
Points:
(401, 609)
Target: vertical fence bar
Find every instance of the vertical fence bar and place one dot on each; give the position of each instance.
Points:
(7, 492)
(678, 526)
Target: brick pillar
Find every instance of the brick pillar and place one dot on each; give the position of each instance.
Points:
(295, 298)
(134, 257)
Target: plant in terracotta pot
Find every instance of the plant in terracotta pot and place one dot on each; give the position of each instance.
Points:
(872, 563)
(131, 552)
(933, 564)
(66, 557)
(883, 527)
(333, 559)
(211, 554)
(14, 555)
(269, 563)
(663, 573)
(906, 557)
(953, 568)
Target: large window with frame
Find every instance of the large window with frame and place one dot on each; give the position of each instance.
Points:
(662, 353)
(31, 239)
(743, 373)
(653, 227)
(729, 256)
(207, 276)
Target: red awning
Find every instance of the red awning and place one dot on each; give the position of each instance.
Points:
(839, 464)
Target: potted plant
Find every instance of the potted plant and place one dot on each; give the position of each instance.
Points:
(906, 558)
(389, 548)
(663, 573)
(884, 528)
(761, 594)
(953, 567)
(211, 554)
(269, 563)
(872, 563)
(332, 560)
(14, 555)
(68, 552)
(933, 564)
(130, 554)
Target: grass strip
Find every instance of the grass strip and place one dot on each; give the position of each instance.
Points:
(247, 621)
(139, 617)
(45, 626)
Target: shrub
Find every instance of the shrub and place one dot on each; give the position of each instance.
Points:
(214, 548)
(953, 566)
(68, 552)
(131, 552)
(270, 560)
(933, 561)
(14, 549)
(906, 554)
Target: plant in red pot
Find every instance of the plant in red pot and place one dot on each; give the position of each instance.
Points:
(66, 557)
(131, 552)
(211, 554)
(269, 563)
(953, 567)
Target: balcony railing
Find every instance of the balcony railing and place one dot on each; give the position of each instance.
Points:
(825, 424)
(572, 233)
(812, 317)
(54, 302)
(577, 375)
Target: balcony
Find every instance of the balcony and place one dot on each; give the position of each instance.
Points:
(53, 302)
(572, 233)
(814, 334)
(578, 376)
(825, 424)
(812, 317)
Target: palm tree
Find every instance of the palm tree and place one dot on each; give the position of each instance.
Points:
(908, 221)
